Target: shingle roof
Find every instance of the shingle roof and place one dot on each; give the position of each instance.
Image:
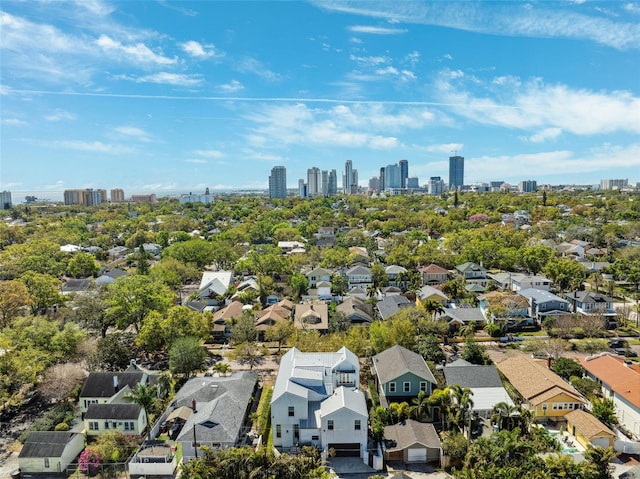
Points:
(587, 424)
(395, 361)
(623, 380)
(390, 305)
(46, 443)
(533, 380)
(232, 310)
(100, 384)
(474, 376)
(464, 315)
(433, 269)
(540, 295)
(402, 435)
(113, 411)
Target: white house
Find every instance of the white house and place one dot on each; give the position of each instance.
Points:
(314, 394)
(318, 275)
(213, 284)
(49, 452)
(359, 276)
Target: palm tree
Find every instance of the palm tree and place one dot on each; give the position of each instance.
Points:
(441, 400)
(599, 459)
(433, 308)
(144, 395)
(399, 410)
(420, 405)
(222, 368)
(462, 406)
(503, 415)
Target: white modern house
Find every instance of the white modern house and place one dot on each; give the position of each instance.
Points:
(316, 401)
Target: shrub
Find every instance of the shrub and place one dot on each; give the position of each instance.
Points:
(63, 426)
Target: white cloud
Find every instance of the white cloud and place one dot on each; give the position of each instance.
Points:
(197, 161)
(369, 61)
(133, 132)
(166, 78)
(445, 148)
(544, 135)
(13, 122)
(383, 143)
(91, 146)
(632, 7)
(232, 87)
(251, 65)
(198, 50)
(137, 53)
(60, 115)
(387, 71)
(376, 30)
(95, 7)
(216, 154)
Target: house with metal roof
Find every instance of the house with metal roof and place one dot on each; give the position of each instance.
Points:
(400, 374)
(316, 401)
(49, 452)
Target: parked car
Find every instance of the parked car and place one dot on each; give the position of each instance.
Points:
(618, 343)
(626, 352)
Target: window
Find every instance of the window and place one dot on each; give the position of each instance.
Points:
(544, 406)
(46, 462)
(423, 386)
(278, 430)
(129, 426)
(330, 424)
(356, 425)
(392, 387)
(291, 411)
(93, 425)
(315, 438)
(407, 387)
(296, 431)
(106, 424)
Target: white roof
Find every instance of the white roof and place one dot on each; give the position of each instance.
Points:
(485, 398)
(224, 277)
(344, 398)
(70, 248)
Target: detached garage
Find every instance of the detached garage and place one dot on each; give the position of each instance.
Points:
(587, 429)
(412, 442)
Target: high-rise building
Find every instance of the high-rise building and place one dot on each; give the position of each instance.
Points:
(349, 179)
(302, 188)
(404, 173)
(103, 195)
(614, 184)
(278, 182)
(325, 182)
(413, 183)
(205, 199)
(86, 197)
(5, 200)
(392, 177)
(333, 183)
(150, 198)
(314, 181)
(382, 173)
(456, 172)
(435, 185)
(528, 186)
(117, 195)
(374, 184)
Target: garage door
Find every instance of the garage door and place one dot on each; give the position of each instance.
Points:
(602, 442)
(345, 449)
(417, 455)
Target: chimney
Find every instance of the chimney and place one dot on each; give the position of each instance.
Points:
(193, 405)
(115, 383)
(549, 362)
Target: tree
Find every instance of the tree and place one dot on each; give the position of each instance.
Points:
(186, 356)
(91, 311)
(429, 348)
(144, 395)
(587, 386)
(339, 284)
(222, 368)
(111, 354)
(535, 258)
(194, 251)
(131, 298)
(339, 323)
(599, 461)
(250, 353)
(379, 275)
(604, 410)
(60, 380)
(567, 368)
(461, 407)
(281, 331)
(565, 273)
(299, 285)
(82, 265)
(433, 308)
(504, 415)
(420, 405)
(474, 352)
(43, 289)
(244, 329)
(14, 296)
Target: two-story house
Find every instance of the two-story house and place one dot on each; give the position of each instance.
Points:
(400, 374)
(317, 275)
(591, 303)
(392, 272)
(104, 387)
(473, 274)
(520, 281)
(433, 274)
(316, 401)
(359, 276)
(543, 303)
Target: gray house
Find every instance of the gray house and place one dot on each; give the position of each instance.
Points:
(543, 303)
(49, 453)
(401, 374)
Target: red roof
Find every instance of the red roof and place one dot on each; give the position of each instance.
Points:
(623, 379)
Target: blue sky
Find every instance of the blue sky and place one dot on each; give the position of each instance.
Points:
(167, 96)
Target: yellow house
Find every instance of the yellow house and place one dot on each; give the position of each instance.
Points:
(542, 390)
(589, 430)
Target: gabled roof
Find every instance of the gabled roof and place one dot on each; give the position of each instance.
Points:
(428, 291)
(534, 381)
(285, 303)
(358, 270)
(469, 266)
(588, 425)
(354, 306)
(76, 285)
(402, 435)
(345, 398)
(473, 376)
(319, 272)
(115, 273)
(46, 443)
(390, 305)
(433, 269)
(395, 269)
(113, 411)
(216, 281)
(101, 384)
(359, 250)
(396, 361)
(613, 371)
(540, 295)
(463, 315)
(588, 297)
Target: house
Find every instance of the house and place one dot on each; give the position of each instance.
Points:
(392, 272)
(154, 458)
(427, 293)
(219, 411)
(520, 281)
(299, 415)
(542, 391)
(317, 275)
(312, 316)
(323, 290)
(49, 452)
(412, 442)
(325, 237)
(356, 310)
(109, 277)
(621, 383)
(390, 305)
(459, 317)
(104, 387)
(433, 274)
(471, 271)
(289, 246)
(223, 318)
(484, 382)
(571, 250)
(359, 254)
(590, 302)
(153, 249)
(125, 417)
(213, 285)
(400, 374)
(359, 276)
(544, 303)
(118, 252)
(76, 286)
(588, 430)
(268, 317)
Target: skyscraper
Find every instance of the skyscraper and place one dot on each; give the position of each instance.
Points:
(381, 184)
(5, 200)
(392, 177)
(325, 182)
(435, 185)
(314, 181)
(333, 183)
(349, 178)
(456, 172)
(278, 182)
(528, 186)
(117, 195)
(404, 172)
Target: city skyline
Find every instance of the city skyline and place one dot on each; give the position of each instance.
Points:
(168, 97)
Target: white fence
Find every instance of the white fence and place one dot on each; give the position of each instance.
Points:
(627, 447)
